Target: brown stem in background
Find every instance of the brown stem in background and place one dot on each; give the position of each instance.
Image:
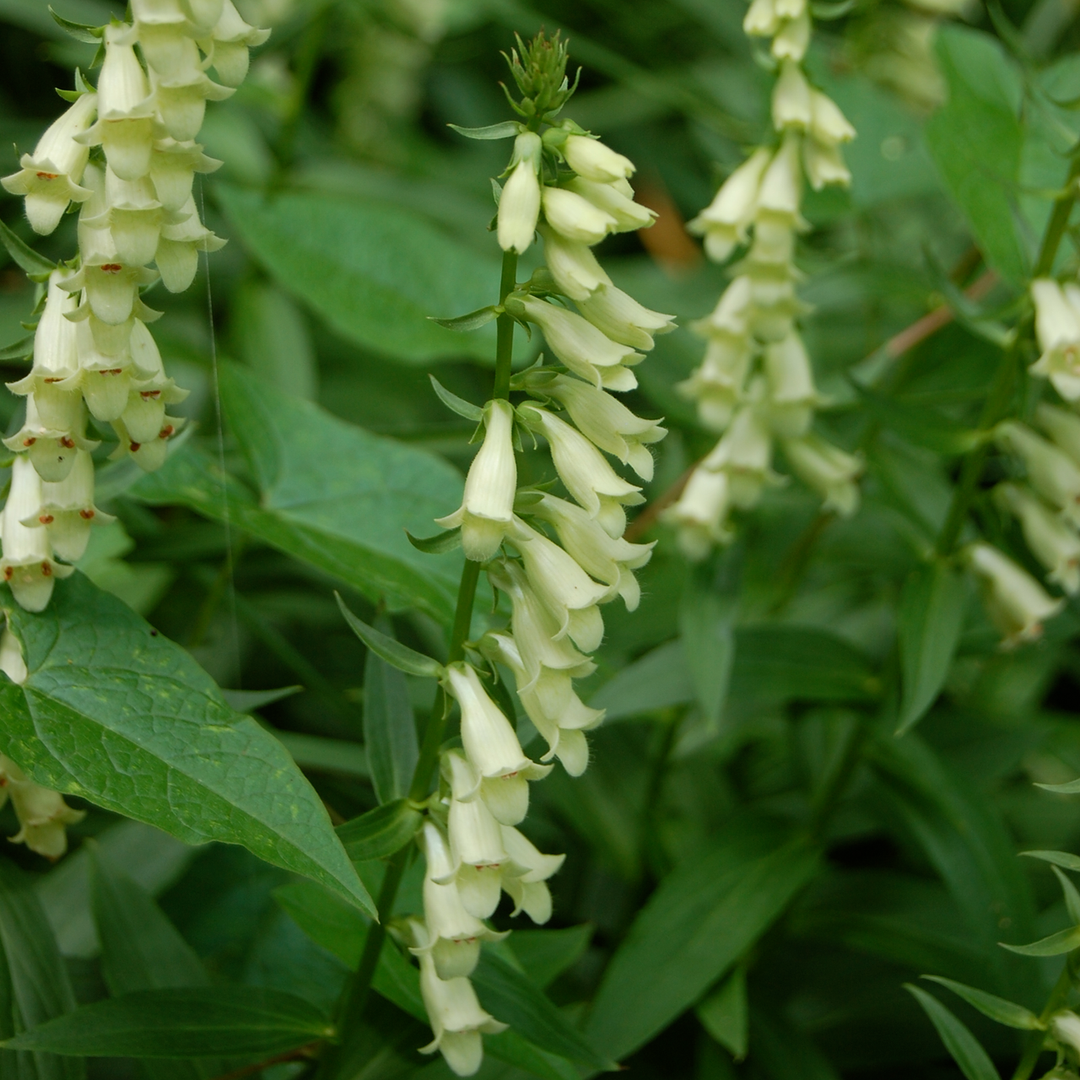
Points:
(300, 1054)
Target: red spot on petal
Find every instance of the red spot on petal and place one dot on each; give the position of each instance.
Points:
(134, 447)
(112, 268)
(8, 571)
(55, 379)
(46, 519)
(46, 570)
(113, 371)
(47, 175)
(29, 442)
(166, 431)
(87, 515)
(147, 394)
(67, 441)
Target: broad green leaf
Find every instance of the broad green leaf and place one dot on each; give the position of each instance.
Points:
(657, 680)
(332, 252)
(142, 950)
(380, 832)
(976, 142)
(393, 652)
(249, 701)
(330, 494)
(320, 754)
(514, 1049)
(702, 918)
(998, 1009)
(229, 1021)
(271, 336)
(104, 687)
(1064, 859)
(707, 627)
(967, 845)
(546, 954)
(1055, 945)
(512, 997)
(725, 1015)
(966, 1051)
(34, 985)
(931, 613)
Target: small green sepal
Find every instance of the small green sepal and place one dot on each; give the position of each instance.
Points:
(436, 545)
(462, 407)
(80, 31)
(462, 324)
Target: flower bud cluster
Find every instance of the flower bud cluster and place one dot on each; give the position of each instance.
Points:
(1046, 504)
(94, 355)
(555, 558)
(43, 815)
(755, 383)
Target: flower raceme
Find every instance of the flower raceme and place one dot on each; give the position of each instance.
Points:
(554, 560)
(138, 224)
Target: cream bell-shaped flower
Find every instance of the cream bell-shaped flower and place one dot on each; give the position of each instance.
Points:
(744, 453)
(506, 796)
(55, 360)
(724, 222)
(27, 564)
(575, 218)
(792, 396)
(1057, 327)
(828, 124)
(583, 469)
(793, 38)
(67, 510)
(181, 101)
(454, 936)
(1065, 1027)
(164, 31)
(627, 214)
(492, 749)
(1017, 604)
(177, 253)
(228, 48)
(1051, 541)
(12, 663)
(1063, 427)
(568, 593)
(593, 160)
(519, 203)
(49, 177)
(478, 854)
(488, 504)
(826, 469)
(603, 420)
(791, 99)
(126, 107)
(529, 890)
(535, 629)
(781, 185)
(52, 451)
(573, 266)
(43, 815)
(611, 560)
(105, 380)
(132, 215)
(150, 391)
(621, 318)
(149, 455)
(1051, 472)
(824, 165)
(173, 166)
(700, 513)
(584, 349)
(456, 1017)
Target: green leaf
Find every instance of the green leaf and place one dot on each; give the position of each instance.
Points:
(330, 494)
(998, 1009)
(320, 754)
(1072, 897)
(1072, 787)
(104, 687)
(1055, 945)
(506, 130)
(436, 545)
(512, 1048)
(182, 1023)
(393, 652)
(35, 986)
(463, 324)
(18, 350)
(249, 701)
(389, 729)
(380, 832)
(512, 997)
(931, 614)
(724, 1014)
(976, 141)
(142, 950)
(657, 680)
(271, 335)
(1063, 859)
(80, 31)
(24, 255)
(455, 404)
(332, 253)
(707, 626)
(702, 918)
(546, 954)
(966, 1051)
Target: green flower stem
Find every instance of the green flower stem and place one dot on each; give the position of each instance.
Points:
(1003, 387)
(1058, 996)
(358, 989)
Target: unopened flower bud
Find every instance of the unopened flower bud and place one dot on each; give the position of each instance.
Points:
(621, 318)
(572, 265)
(828, 470)
(627, 214)
(50, 176)
(519, 204)
(574, 217)
(593, 160)
(1017, 604)
(488, 505)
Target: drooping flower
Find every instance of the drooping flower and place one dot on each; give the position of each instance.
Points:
(1051, 541)
(519, 205)
(1018, 605)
